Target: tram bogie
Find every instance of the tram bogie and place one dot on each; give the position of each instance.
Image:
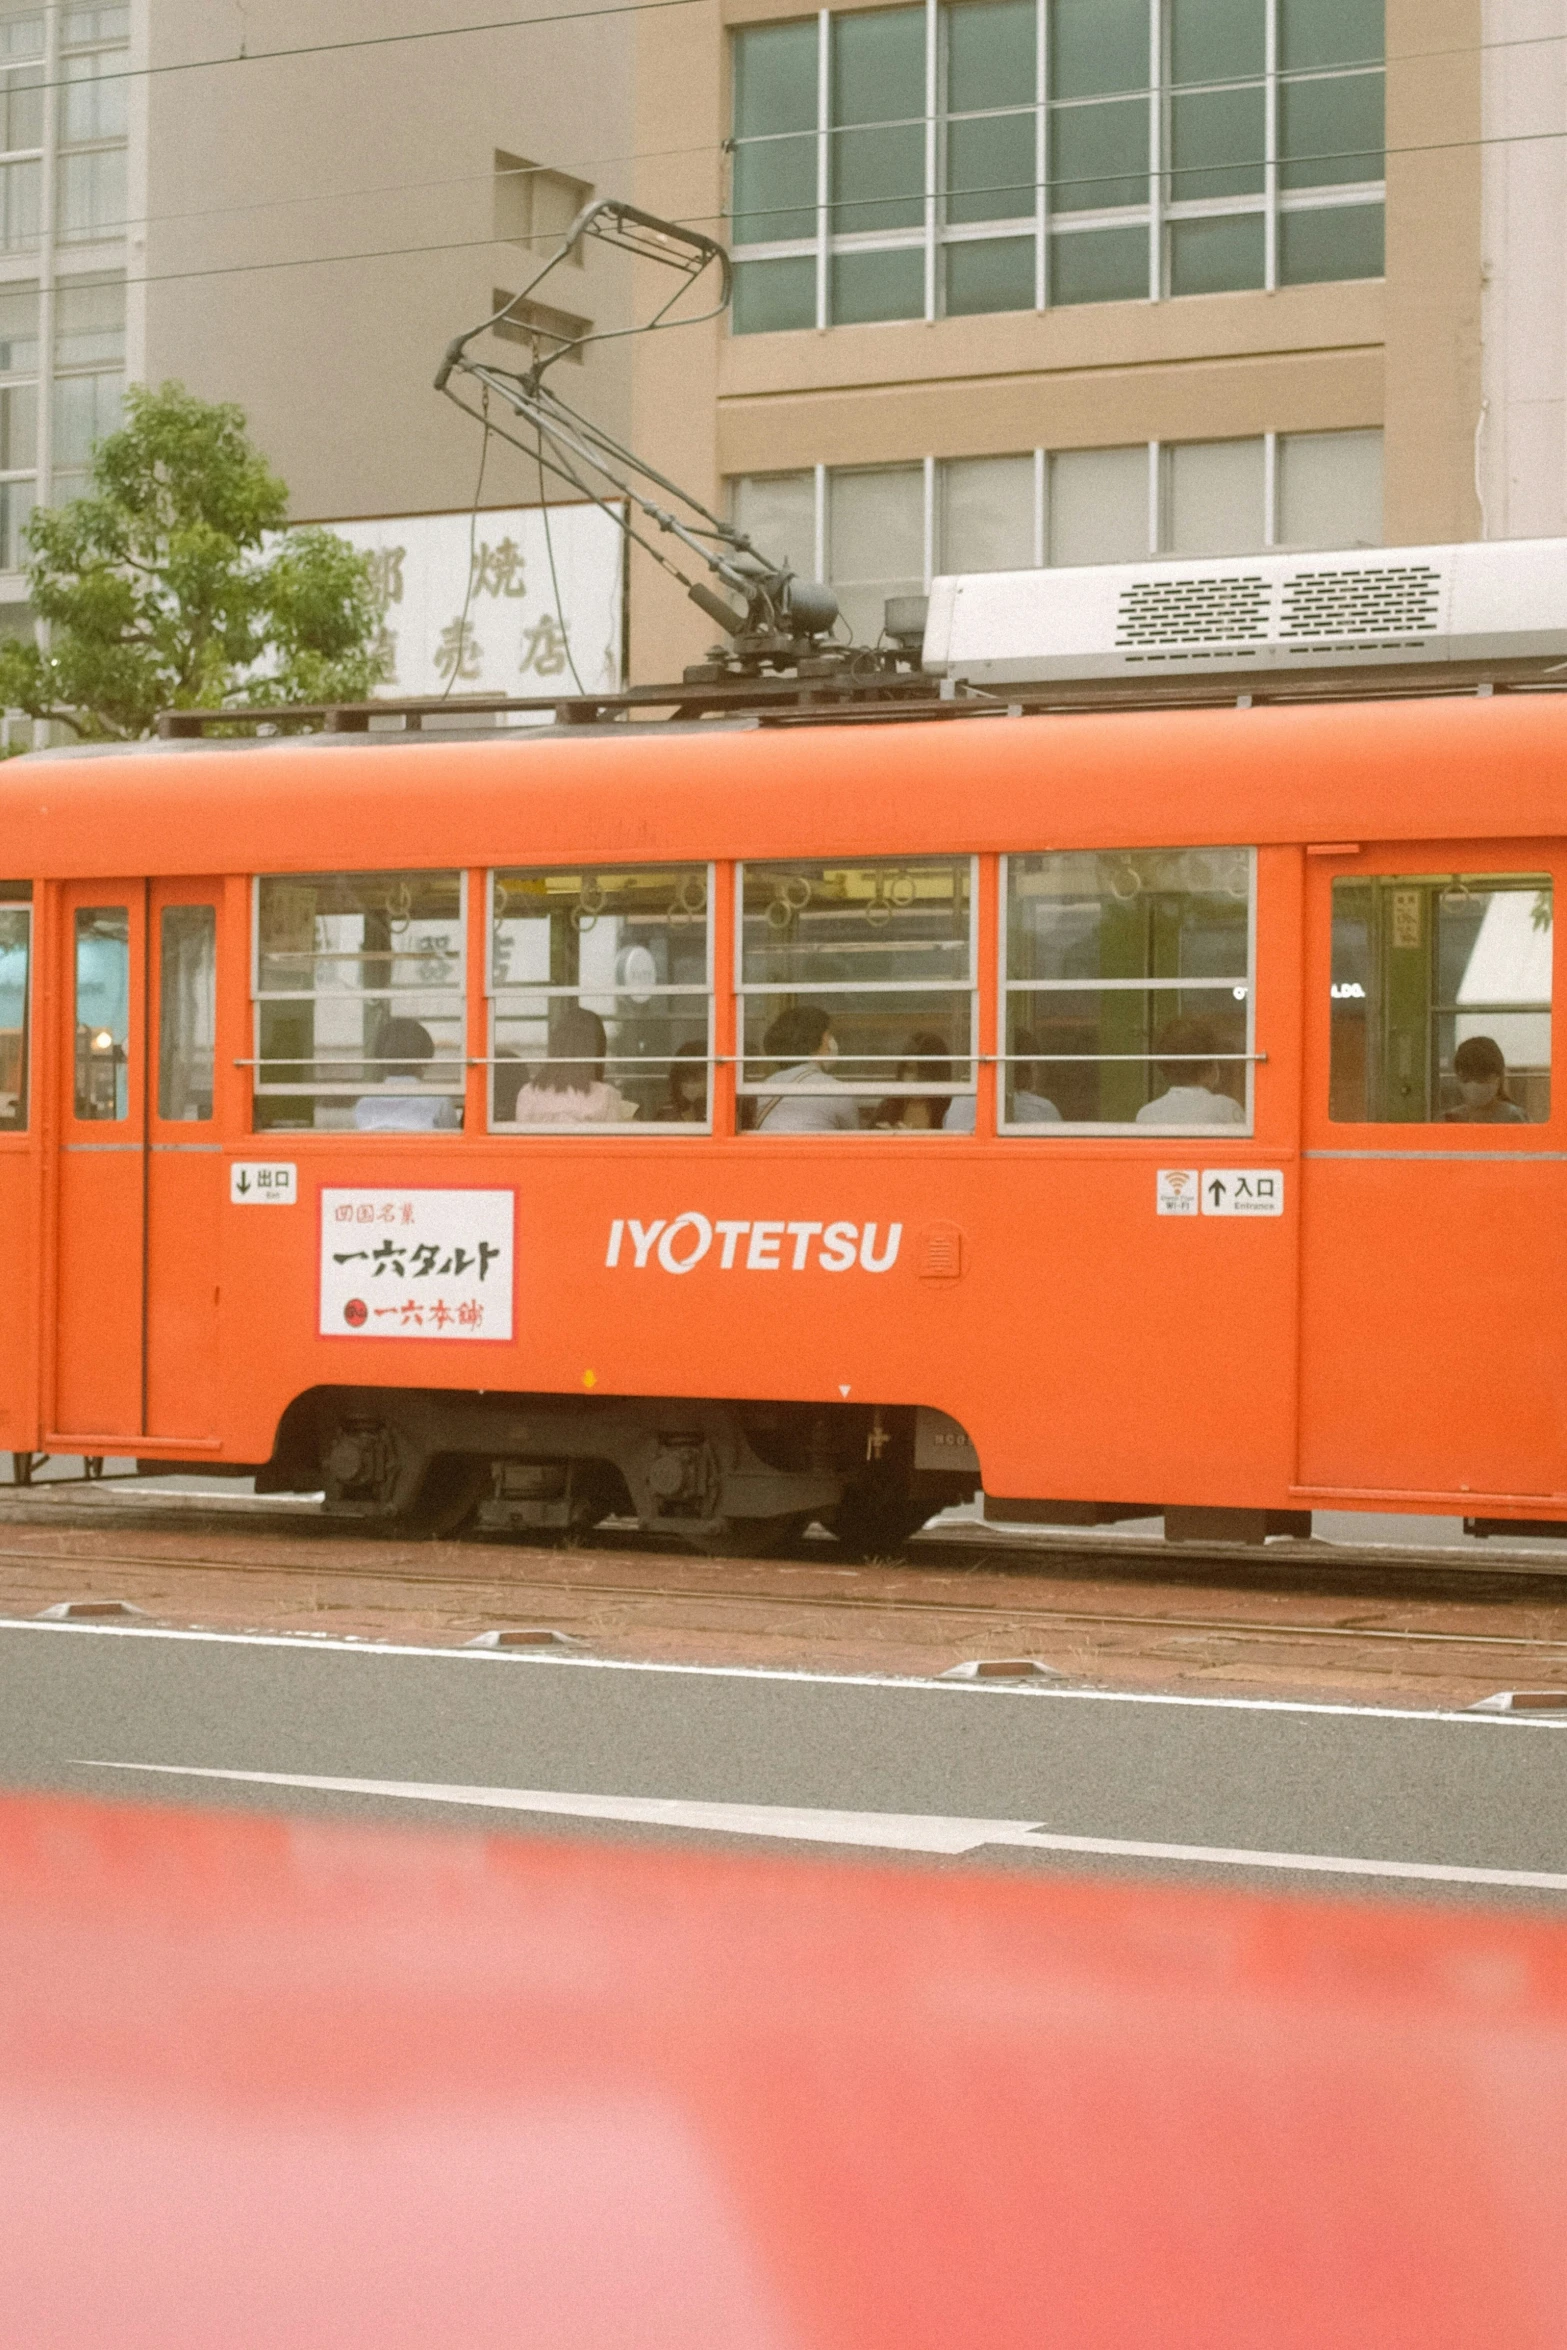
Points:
(723, 1476)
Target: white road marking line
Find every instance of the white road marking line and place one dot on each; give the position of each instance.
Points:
(348, 1644)
(882, 1831)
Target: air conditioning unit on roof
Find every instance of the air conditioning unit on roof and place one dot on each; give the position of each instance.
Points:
(1505, 600)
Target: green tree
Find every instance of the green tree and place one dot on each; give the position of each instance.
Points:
(174, 584)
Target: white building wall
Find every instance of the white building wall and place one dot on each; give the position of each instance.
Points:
(1521, 437)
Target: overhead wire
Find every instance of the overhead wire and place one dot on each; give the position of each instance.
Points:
(252, 57)
(460, 647)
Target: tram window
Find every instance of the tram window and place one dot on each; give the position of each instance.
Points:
(360, 1002)
(187, 1010)
(103, 974)
(857, 996)
(16, 957)
(1128, 991)
(1441, 1004)
(600, 998)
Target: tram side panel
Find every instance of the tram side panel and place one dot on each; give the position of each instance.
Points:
(18, 1297)
(1086, 1343)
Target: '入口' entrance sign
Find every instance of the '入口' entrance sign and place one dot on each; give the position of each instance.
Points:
(1220, 1191)
(408, 1263)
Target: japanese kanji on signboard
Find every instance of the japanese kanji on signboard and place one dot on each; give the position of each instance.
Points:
(417, 1264)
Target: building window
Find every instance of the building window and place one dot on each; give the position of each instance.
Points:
(1128, 991)
(360, 1002)
(89, 375)
(875, 532)
(1051, 152)
(91, 126)
(600, 998)
(18, 418)
(21, 131)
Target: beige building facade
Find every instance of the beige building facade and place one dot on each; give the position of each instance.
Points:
(1026, 281)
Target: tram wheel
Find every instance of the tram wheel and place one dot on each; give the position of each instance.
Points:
(747, 1538)
(449, 1495)
(872, 1525)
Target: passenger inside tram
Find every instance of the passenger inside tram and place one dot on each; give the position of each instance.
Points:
(1193, 1095)
(688, 1084)
(928, 1063)
(803, 1095)
(404, 1051)
(568, 1088)
(1030, 1107)
(1480, 1072)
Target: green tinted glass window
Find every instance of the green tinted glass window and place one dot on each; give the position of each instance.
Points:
(886, 146)
(990, 168)
(775, 79)
(1099, 155)
(878, 66)
(1330, 130)
(1097, 47)
(1330, 32)
(990, 54)
(774, 191)
(1217, 40)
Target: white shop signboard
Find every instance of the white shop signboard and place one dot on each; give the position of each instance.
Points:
(415, 1263)
(475, 604)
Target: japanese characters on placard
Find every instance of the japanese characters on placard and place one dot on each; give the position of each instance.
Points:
(503, 602)
(411, 1263)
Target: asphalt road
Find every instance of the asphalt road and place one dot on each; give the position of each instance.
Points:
(1335, 1798)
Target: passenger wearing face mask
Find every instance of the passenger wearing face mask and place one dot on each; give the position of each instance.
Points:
(1481, 1075)
(803, 1096)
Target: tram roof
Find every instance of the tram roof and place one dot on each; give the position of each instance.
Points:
(1419, 769)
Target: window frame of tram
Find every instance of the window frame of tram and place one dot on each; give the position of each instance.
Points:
(101, 1058)
(187, 1012)
(16, 936)
(886, 1085)
(1156, 1029)
(633, 1064)
(1398, 1011)
(378, 1090)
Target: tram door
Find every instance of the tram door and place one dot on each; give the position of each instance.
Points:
(140, 1166)
(1434, 1181)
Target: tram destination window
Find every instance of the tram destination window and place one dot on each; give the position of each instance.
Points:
(16, 971)
(102, 1025)
(1128, 992)
(187, 1010)
(359, 988)
(1441, 999)
(857, 996)
(600, 999)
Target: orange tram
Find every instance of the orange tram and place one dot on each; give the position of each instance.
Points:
(731, 1126)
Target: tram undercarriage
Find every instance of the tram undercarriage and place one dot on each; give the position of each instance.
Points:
(741, 1478)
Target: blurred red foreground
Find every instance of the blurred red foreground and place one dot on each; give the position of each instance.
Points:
(270, 2083)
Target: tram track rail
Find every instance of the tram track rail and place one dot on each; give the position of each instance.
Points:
(771, 1590)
